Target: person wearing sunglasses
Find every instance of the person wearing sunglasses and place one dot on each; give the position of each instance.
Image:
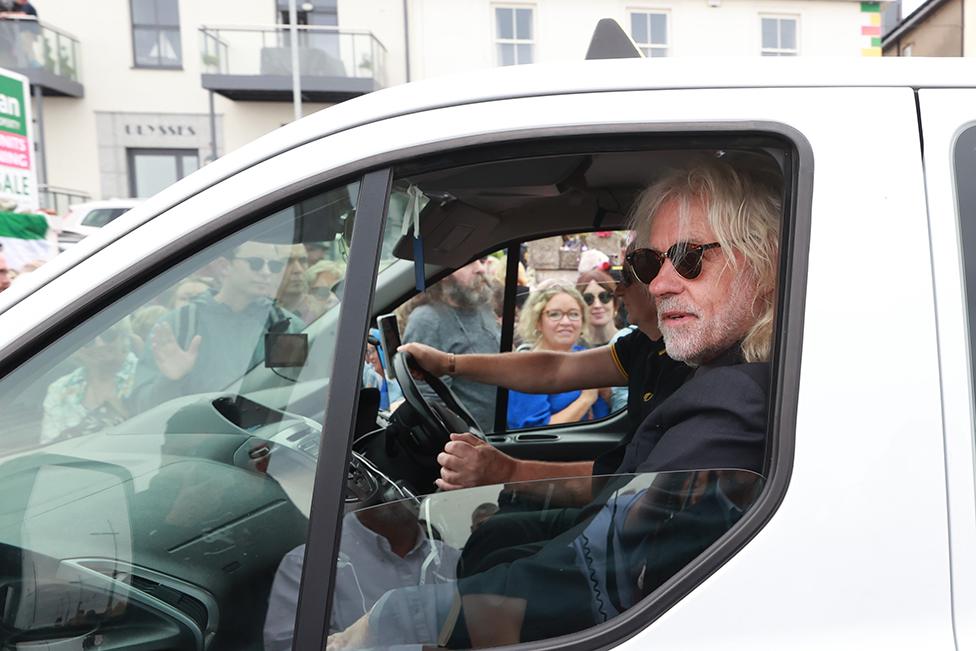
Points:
(216, 337)
(552, 320)
(598, 289)
(322, 278)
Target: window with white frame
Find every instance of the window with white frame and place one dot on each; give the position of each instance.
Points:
(514, 35)
(649, 29)
(779, 36)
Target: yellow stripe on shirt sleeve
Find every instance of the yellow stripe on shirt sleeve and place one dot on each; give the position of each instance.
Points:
(616, 360)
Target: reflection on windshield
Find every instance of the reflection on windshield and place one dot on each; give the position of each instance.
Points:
(527, 569)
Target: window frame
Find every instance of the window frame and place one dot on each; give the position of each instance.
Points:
(177, 154)
(497, 41)
(787, 341)
(159, 29)
(649, 46)
(779, 50)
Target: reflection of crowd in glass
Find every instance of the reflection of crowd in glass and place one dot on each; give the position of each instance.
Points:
(201, 334)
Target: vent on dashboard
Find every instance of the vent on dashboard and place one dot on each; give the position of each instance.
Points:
(190, 606)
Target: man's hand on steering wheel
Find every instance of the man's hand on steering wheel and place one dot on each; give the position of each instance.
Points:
(469, 461)
(434, 361)
(437, 415)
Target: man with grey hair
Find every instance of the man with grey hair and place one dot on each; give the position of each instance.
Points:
(711, 238)
(457, 318)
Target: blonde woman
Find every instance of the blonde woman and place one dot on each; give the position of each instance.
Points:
(553, 319)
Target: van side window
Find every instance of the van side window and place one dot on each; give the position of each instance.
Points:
(535, 533)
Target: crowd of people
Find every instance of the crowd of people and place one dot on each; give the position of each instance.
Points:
(462, 313)
(200, 335)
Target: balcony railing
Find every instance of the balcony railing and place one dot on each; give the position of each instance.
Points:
(60, 199)
(244, 62)
(48, 56)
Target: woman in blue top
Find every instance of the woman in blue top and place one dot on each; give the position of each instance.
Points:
(553, 319)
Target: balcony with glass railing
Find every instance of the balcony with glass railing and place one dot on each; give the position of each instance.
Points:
(49, 57)
(255, 63)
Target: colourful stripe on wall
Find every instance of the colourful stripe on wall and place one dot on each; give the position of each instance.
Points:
(871, 29)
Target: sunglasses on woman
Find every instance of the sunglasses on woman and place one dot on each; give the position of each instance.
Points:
(604, 296)
(685, 256)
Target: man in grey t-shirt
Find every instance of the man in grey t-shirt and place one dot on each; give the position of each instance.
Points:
(458, 318)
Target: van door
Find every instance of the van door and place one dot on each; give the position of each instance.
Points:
(948, 123)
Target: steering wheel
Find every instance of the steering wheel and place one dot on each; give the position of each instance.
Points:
(438, 418)
(362, 484)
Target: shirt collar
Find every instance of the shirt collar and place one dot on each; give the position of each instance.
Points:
(354, 527)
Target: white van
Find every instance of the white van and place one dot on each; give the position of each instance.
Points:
(210, 473)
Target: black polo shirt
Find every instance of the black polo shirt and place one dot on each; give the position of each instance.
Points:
(652, 376)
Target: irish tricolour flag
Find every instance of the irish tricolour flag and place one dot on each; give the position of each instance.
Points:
(24, 238)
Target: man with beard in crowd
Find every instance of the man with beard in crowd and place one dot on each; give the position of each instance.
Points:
(458, 318)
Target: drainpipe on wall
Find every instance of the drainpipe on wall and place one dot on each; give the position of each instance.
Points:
(296, 78)
(406, 37)
(39, 136)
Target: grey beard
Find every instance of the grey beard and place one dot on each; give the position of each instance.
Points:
(470, 297)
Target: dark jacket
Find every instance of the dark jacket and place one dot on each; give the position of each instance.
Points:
(716, 419)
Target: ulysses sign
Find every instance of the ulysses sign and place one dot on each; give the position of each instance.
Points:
(160, 130)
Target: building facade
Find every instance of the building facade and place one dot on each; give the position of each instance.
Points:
(131, 95)
(936, 28)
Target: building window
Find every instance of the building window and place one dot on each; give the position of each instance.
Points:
(151, 170)
(907, 50)
(156, 34)
(779, 36)
(649, 29)
(514, 37)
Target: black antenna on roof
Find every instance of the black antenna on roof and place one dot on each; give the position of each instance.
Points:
(610, 41)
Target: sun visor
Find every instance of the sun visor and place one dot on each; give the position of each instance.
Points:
(450, 231)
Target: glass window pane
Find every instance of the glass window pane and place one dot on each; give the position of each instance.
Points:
(523, 24)
(787, 34)
(153, 172)
(170, 49)
(659, 28)
(658, 52)
(503, 23)
(770, 38)
(506, 54)
(523, 54)
(638, 28)
(143, 12)
(168, 13)
(190, 164)
(520, 570)
(146, 43)
(101, 216)
(225, 445)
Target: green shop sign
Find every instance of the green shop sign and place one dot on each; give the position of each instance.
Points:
(13, 112)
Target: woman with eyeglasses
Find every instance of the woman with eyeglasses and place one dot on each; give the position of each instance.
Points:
(553, 319)
(599, 293)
